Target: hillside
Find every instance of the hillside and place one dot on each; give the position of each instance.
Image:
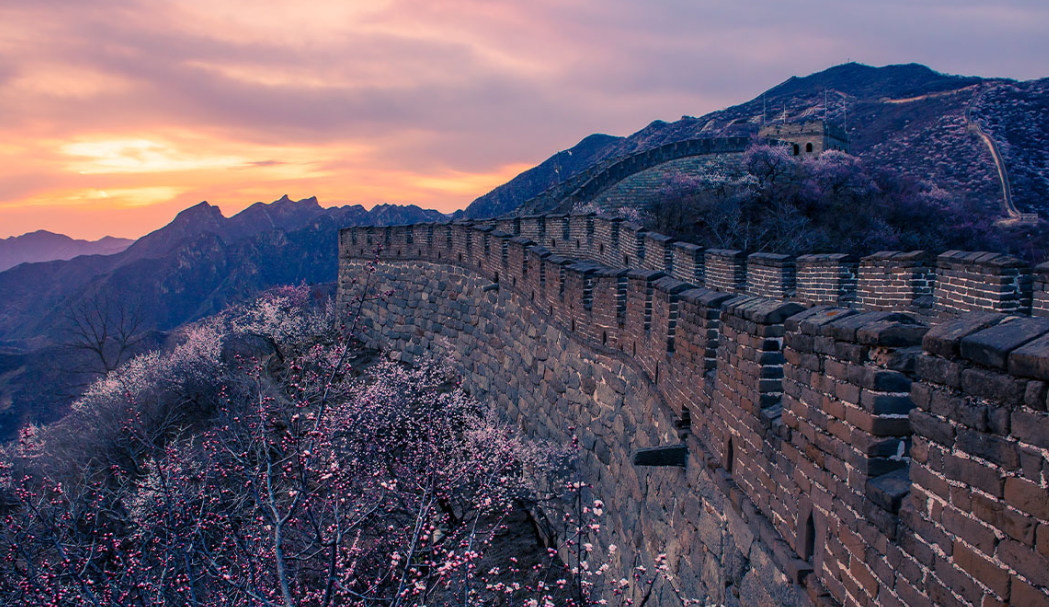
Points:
(47, 246)
(193, 267)
(906, 118)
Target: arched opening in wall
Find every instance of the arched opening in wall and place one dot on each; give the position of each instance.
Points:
(533, 296)
(656, 380)
(626, 260)
(604, 338)
(460, 257)
(478, 263)
(577, 243)
(797, 149)
(553, 243)
(808, 148)
(497, 277)
(573, 325)
(601, 248)
(730, 456)
(809, 549)
(633, 349)
(398, 252)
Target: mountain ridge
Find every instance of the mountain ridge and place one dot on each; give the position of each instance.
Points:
(926, 138)
(44, 245)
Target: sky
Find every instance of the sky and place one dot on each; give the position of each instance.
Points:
(117, 114)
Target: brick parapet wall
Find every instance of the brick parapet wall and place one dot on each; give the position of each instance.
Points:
(971, 281)
(688, 262)
(1040, 304)
(834, 452)
(725, 270)
(827, 279)
(771, 275)
(846, 400)
(953, 282)
(978, 506)
(631, 245)
(894, 280)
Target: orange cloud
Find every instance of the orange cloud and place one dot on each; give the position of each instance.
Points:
(118, 113)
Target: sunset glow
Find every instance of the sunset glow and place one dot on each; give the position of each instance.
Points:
(117, 114)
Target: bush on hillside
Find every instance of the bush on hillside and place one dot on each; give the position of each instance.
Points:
(831, 203)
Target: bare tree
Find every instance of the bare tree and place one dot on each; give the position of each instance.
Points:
(106, 330)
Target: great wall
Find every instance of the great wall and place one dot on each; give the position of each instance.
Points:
(813, 431)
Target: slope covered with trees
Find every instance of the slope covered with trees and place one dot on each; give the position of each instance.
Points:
(769, 201)
(904, 118)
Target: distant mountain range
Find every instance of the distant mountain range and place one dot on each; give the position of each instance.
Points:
(907, 118)
(190, 268)
(47, 246)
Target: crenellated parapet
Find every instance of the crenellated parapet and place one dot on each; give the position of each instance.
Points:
(916, 281)
(873, 429)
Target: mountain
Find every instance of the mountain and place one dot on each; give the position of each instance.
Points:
(46, 246)
(193, 267)
(905, 118)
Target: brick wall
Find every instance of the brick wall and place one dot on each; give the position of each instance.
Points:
(970, 281)
(979, 507)
(893, 280)
(828, 278)
(1040, 305)
(688, 262)
(859, 462)
(725, 270)
(771, 275)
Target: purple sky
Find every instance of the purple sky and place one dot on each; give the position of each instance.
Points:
(117, 114)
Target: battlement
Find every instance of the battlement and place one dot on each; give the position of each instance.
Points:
(918, 281)
(874, 428)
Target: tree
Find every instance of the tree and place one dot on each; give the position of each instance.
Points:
(316, 478)
(107, 330)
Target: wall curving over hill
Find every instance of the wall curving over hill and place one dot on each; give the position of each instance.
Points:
(858, 432)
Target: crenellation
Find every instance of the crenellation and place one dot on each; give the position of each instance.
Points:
(557, 233)
(533, 227)
(725, 270)
(863, 457)
(978, 280)
(980, 458)
(605, 249)
(770, 275)
(688, 263)
(827, 279)
(1040, 303)
(895, 280)
(631, 245)
(658, 252)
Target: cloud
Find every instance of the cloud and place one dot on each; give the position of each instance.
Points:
(414, 100)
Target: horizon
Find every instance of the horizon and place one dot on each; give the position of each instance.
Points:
(122, 115)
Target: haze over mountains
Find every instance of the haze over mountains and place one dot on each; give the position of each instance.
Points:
(47, 246)
(193, 266)
(907, 118)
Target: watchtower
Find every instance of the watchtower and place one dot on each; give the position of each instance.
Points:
(807, 139)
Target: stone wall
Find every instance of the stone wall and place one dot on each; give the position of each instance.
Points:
(917, 281)
(549, 380)
(837, 455)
